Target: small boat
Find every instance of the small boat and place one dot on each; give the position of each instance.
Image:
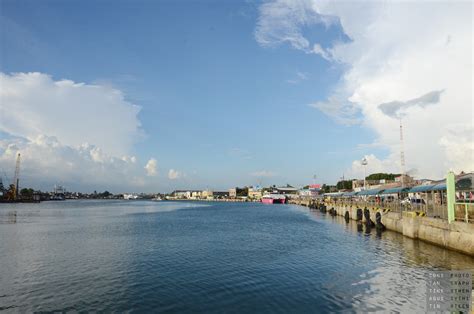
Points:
(274, 199)
(130, 196)
(156, 199)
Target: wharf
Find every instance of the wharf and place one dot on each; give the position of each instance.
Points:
(455, 235)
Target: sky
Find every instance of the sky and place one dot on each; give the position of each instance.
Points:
(152, 96)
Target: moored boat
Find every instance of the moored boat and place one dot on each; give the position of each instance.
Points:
(274, 199)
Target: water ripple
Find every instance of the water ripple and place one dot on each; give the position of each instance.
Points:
(222, 257)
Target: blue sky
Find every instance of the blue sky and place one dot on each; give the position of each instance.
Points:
(216, 105)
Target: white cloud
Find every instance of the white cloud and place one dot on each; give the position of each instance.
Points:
(263, 174)
(76, 134)
(33, 104)
(374, 165)
(174, 174)
(397, 53)
(45, 161)
(151, 167)
(339, 109)
(283, 21)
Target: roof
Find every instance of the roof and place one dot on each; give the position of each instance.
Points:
(287, 189)
(333, 194)
(421, 188)
(370, 192)
(465, 182)
(349, 194)
(395, 190)
(439, 187)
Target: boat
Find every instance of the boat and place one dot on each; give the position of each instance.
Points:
(130, 196)
(274, 199)
(156, 199)
(58, 194)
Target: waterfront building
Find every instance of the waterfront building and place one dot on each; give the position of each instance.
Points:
(304, 193)
(238, 192)
(220, 194)
(185, 194)
(289, 191)
(206, 194)
(255, 193)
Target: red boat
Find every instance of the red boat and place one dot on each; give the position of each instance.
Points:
(274, 199)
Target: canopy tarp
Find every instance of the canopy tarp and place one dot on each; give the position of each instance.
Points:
(395, 190)
(333, 194)
(421, 188)
(371, 192)
(349, 194)
(439, 187)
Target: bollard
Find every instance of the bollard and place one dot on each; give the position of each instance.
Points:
(368, 222)
(346, 216)
(378, 222)
(359, 214)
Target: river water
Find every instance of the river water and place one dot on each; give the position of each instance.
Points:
(145, 256)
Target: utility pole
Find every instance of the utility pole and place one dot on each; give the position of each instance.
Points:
(402, 154)
(364, 163)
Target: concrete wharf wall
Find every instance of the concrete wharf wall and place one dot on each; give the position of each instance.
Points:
(458, 236)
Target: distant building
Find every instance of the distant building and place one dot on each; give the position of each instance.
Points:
(206, 194)
(186, 194)
(305, 193)
(315, 189)
(196, 195)
(220, 194)
(238, 192)
(287, 190)
(255, 193)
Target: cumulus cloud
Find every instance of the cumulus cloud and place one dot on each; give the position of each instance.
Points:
(151, 167)
(46, 161)
(458, 141)
(407, 67)
(174, 174)
(374, 165)
(338, 108)
(34, 104)
(263, 174)
(76, 134)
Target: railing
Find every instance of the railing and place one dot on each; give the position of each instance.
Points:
(464, 212)
(429, 210)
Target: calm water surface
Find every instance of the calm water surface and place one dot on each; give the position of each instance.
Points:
(206, 257)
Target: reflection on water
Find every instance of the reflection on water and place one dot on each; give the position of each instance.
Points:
(216, 257)
(8, 217)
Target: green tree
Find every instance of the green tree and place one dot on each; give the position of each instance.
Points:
(382, 176)
(344, 185)
(26, 193)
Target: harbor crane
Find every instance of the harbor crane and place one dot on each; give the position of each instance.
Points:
(13, 191)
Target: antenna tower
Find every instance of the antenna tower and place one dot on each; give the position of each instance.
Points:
(402, 154)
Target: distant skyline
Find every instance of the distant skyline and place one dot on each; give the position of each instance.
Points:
(152, 96)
